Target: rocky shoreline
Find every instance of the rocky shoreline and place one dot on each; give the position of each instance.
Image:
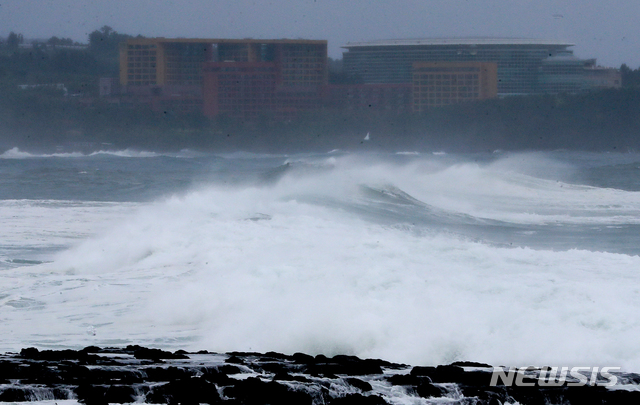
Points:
(99, 376)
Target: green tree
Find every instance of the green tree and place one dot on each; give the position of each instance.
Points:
(13, 41)
(55, 41)
(105, 42)
(630, 77)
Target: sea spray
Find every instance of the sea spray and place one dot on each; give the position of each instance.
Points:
(310, 262)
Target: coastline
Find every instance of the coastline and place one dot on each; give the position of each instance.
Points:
(136, 374)
(599, 121)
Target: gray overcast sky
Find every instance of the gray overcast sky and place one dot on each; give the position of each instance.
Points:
(606, 29)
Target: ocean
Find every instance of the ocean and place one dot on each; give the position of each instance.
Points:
(423, 258)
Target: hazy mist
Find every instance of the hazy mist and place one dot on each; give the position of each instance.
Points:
(606, 30)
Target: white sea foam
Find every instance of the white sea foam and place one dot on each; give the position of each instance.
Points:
(503, 191)
(130, 153)
(16, 153)
(32, 229)
(275, 268)
(313, 282)
(249, 155)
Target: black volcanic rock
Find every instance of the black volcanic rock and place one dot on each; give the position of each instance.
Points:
(98, 376)
(349, 365)
(253, 391)
(30, 353)
(423, 371)
(407, 379)
(57, 355)
(358, 399)
(168, 374)
(234, 360)
(428, 390)
(470, 364)
(275, 356)
(488, 395)
(358, 383)
(155, 354)
(302, 358)
(282, 376)
(229, 369)
(14, 394)
(275, 367)
(120, 394)
(220, 378)
(91, 394)
(189, 391)
(439, 374)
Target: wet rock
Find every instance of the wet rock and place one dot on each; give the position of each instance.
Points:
(358, 399)
(302, 358)
(441, 374)
(38, 373)
(120, 394)
(192, 391)
(30, 353)
(217, 377)
(7, 370)
(73, 373)
(92, 394)
(275, 367)
(13, 394)
(57, 355)
(274, 356)
(229, 369)
(488, 395)
(358, 383)
(423, 371)
(623, 397)
(155, 354)
(282, 376)
(407, 379)
(470, 364)
(428, 390)
(234, 360)
(254, 391)
(134, 374)
(168, 374)
(349, 365)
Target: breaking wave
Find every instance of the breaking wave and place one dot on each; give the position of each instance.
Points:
(16, 153)
(349, 255)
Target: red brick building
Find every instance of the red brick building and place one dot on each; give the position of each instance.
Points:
(240, 78)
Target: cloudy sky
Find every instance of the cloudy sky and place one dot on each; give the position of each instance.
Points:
(606, 29)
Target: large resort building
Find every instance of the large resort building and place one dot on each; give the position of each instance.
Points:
(279, 78)
(524, 66)
(442, 83)
(237, 77)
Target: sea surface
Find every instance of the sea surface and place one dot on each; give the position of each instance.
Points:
(423, 258)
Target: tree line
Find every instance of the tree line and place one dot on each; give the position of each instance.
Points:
(56, 60)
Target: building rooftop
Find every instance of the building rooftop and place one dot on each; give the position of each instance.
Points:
(225, 40)
(457, 41)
